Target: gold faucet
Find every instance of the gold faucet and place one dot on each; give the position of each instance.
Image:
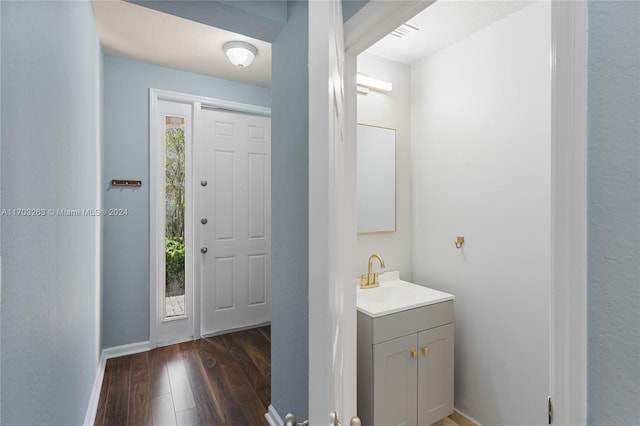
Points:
(370, 280)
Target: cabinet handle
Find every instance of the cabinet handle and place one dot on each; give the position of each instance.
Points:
(414, 354)
(425, 350)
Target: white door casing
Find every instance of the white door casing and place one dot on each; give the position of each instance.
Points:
(568, 306)
(233, 153)
(332, 224)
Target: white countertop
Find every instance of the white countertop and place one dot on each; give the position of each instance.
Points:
(395, 295)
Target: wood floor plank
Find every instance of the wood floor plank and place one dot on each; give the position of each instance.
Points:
(219, 349)
(255, 413)
(266, 332)
(118, 395)
(140, 391)
(178, 380)
(140, 368)
(190, 417)
(241, 391)
(260, 340)
(162, 410)
(257, 380)
(140, 405)
(158, 372)
(233, 414)
(251, 342)
(104, 390)
(207, 406)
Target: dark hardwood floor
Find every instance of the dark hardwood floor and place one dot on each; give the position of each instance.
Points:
(222, 380)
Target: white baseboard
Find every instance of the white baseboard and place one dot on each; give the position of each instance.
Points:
(273, 418)
(130, 349)
(116, 351)
(90, 416)
(233, 330)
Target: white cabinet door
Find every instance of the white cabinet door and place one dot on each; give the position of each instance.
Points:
(395, 380)
(435, 374)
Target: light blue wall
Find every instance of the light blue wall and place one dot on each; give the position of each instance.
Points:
(126, 156)
(350, 7)
(614, 213)
(50, 81)
(289, 216)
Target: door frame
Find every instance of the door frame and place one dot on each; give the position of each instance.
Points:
(156, 192)
(568, 292)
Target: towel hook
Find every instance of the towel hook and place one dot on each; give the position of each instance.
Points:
(459, 242)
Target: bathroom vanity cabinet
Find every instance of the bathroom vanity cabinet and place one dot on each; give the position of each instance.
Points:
(405, 366)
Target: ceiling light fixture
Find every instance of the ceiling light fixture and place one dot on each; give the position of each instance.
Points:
(373, 83)
(240, 53)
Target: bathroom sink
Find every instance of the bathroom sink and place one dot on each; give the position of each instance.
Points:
(395, 295)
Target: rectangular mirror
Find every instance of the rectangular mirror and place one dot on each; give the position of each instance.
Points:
(376, 179)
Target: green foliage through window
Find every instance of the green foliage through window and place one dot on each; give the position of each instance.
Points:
(174, 210)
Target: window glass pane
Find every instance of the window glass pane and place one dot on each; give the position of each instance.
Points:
(175, 210)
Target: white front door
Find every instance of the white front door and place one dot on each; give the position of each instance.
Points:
(233, 219)
(332, 227)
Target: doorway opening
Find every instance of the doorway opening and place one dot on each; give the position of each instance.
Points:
(210, 192)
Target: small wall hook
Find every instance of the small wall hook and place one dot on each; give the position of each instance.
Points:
(459, 242)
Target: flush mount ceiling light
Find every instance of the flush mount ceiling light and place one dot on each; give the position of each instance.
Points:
(240, 53)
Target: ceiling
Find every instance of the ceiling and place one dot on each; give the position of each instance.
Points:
(135, 32)
(442, 24)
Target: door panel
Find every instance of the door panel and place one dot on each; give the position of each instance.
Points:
(225, 282)
(233, 151)
(395, 379)
(257, 193)
(435, 374)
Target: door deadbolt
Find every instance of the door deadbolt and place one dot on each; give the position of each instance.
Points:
(203, 250)
(203, 182)
(203, 221)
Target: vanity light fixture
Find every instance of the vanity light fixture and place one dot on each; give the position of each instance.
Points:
(240, 53)
(373, 83)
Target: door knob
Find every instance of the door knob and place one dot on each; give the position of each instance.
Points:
(414, 354)
(203, 250)
(203, 182)
(290, 420)
(355, 420)
(425, 350)
(203, 221)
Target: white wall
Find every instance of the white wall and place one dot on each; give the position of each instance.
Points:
(51, 143)
(390, 110)
(481, 168)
